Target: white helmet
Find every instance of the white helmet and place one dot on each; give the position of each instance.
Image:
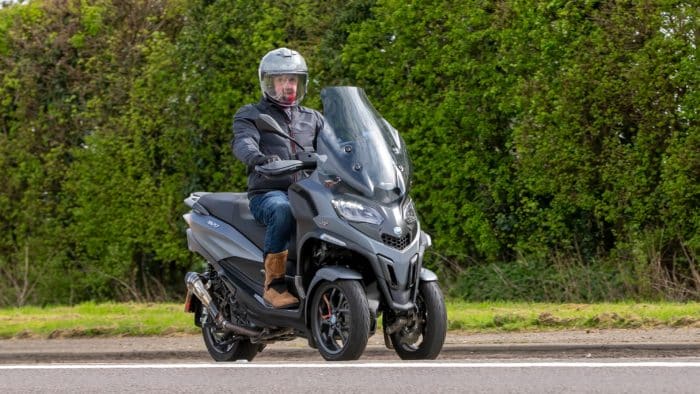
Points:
(283, 62)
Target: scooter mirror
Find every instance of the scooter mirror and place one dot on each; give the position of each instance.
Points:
(265, 122)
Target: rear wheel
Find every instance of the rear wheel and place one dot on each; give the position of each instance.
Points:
(422, 338)
(340, 320)
(223, 346)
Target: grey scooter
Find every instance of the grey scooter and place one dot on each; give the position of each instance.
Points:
(356, 254)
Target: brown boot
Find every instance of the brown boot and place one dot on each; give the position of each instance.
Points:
(275, 288)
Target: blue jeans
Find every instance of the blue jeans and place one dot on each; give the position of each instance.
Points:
(272, 209)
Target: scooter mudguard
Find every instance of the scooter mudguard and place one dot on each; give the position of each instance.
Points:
(427, 275)
(331, 274)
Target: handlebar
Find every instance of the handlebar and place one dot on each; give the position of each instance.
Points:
(304, 161)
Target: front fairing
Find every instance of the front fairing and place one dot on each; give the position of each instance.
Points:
(362, 150)
(364, 161)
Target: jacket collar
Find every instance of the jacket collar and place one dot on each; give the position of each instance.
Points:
(283, 110)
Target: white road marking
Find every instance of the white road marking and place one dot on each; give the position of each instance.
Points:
(235, 365)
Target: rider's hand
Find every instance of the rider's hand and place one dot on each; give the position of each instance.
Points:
(267, 159)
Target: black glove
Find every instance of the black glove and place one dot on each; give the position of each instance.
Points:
(267, 159)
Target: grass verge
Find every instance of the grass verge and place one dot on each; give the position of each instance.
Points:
(510, 316)
(90, 320)
(131, 319)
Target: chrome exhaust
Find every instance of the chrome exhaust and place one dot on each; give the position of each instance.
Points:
(196, 287)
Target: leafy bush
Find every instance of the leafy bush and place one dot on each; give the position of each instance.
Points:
(555, 144)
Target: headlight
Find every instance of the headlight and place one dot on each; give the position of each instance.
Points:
(409, 213)
(356, 212)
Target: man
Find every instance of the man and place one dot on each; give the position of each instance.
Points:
(283, 79)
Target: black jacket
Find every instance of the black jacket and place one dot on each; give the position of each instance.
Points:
(250, 145)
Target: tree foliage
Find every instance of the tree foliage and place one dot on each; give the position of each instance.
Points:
(557, 138)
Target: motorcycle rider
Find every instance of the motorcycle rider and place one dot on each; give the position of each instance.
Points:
(283, 76)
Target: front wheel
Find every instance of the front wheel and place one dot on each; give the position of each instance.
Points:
(422, 338)
(224, 346)
(340, 320)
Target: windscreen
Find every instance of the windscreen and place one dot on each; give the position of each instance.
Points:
(363, 150)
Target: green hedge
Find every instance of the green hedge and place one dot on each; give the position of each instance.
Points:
(552, 141)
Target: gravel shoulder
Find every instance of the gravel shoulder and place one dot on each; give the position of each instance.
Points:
(661, 342)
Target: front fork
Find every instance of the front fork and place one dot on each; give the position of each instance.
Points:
(409, 322)
(412, 321)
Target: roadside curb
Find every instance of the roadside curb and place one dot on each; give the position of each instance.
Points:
(450, 351)
(598, 344)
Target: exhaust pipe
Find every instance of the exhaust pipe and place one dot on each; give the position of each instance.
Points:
(196, 287)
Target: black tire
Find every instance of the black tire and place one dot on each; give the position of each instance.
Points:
(340, 320)
(423, 338)
(224, 347)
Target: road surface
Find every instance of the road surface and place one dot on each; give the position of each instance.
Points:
(539, 376)
(594, 361)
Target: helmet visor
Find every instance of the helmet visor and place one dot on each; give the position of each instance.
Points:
(284, 89)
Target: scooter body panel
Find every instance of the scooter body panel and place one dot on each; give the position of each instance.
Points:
(220, 240)
(397, 269)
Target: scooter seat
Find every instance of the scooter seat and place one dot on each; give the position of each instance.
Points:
(233, 209)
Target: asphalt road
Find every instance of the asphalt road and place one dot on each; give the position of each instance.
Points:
(550, 376)
(598, 361)
(601, 361)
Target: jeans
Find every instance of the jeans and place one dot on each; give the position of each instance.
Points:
(272, 209)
